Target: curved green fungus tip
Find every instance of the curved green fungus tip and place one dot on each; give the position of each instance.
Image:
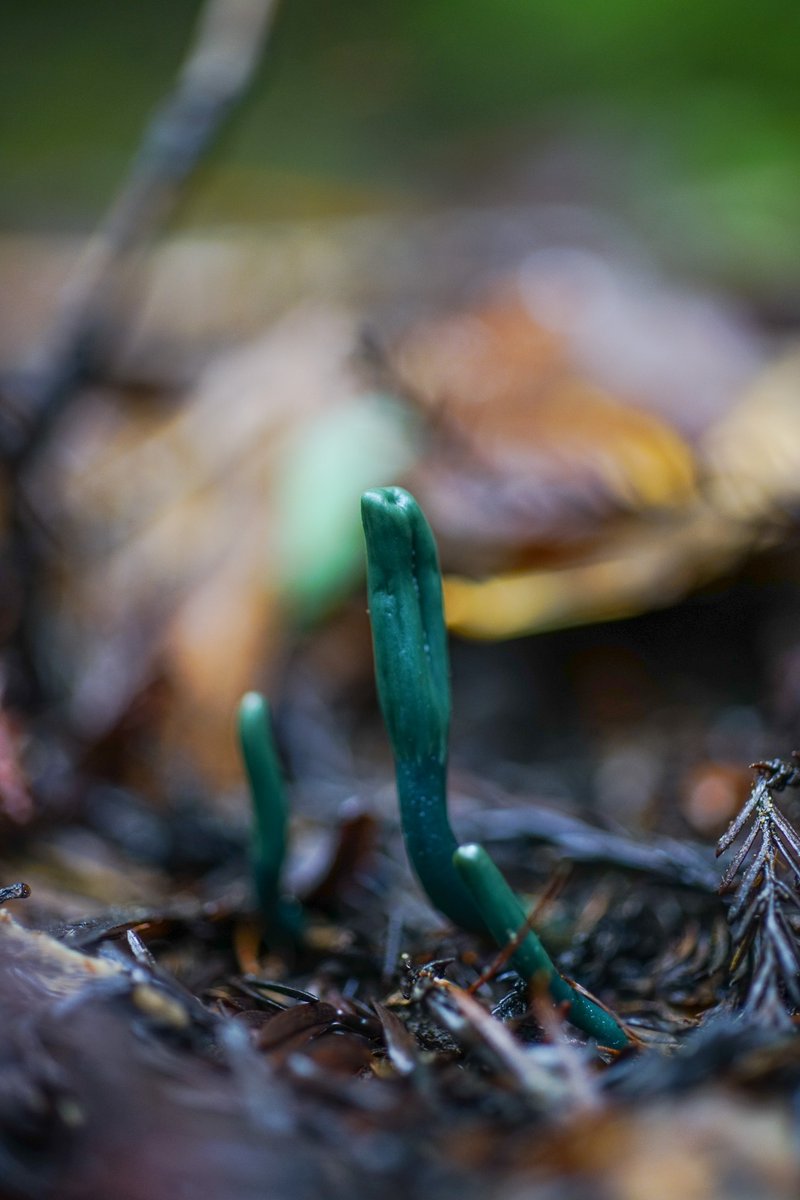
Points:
(505, 918)
(270, 814)
(412, 674)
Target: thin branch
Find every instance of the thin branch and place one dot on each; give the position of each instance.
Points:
(220, 65)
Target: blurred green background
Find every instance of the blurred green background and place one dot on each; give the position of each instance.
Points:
(683, 119)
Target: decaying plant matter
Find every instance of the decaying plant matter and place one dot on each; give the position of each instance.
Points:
(174, 1026)
(765, 910)
(373, 1054)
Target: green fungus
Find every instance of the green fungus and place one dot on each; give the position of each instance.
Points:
(270, 815)
(413, 680)
(505, 919)
(412, 674)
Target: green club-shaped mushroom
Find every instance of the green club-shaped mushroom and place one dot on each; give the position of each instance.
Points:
(412, 675)
(270, 815)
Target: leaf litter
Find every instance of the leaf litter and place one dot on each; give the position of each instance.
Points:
(157, 1041)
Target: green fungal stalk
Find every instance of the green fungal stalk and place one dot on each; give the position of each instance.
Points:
(413, 679)
(505, 919)
(270, 813)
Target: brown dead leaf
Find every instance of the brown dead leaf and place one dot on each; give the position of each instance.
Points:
(532, 458)
(558, 503)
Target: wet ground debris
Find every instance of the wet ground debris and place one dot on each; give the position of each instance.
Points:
(764, 913)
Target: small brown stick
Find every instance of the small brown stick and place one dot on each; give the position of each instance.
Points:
(219, 66)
